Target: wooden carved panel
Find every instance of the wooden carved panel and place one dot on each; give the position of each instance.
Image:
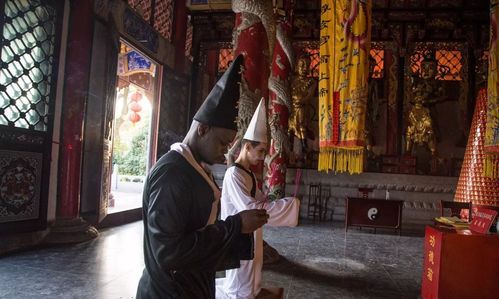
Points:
(20, 179)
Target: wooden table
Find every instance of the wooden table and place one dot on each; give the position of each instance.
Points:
(371, 212)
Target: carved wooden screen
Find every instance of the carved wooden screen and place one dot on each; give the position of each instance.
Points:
(142, 7)
(29, 52)
(188, 40)
(163, 18)
(452, 66)
(449, 110)
(380, 117)
(225, 57)
(310, 49)
(377, 61)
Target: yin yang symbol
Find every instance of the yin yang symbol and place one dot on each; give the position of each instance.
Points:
(372, 214)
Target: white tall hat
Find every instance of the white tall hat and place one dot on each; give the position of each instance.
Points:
(257, 129)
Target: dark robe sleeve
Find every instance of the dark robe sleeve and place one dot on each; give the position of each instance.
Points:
(242, 249)
(175, 246)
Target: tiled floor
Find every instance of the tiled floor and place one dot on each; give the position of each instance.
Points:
(318, 261)
(324, 262)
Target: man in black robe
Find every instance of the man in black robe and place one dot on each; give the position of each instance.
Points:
(184, 244)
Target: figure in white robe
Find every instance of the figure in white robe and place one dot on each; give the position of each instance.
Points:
(240, 192)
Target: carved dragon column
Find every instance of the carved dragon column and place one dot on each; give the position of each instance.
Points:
(278, 112)
(253, 36)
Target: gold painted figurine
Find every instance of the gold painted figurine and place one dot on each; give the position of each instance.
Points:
(302, 90)
(420, 127)
(420, 123)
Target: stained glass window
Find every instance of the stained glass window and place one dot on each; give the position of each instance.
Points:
(142, 7)
(27, 56)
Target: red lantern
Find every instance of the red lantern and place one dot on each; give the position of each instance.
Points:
(134, 106)
(134, 117)
(136, 96)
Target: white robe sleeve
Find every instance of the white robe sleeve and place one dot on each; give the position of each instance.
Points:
(237, 188)
(237, 191)
(283, 212)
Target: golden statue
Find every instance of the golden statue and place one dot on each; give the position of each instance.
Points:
(420, 127)
(420, 124)
(302, 90)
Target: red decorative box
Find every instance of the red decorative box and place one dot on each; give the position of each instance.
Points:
(459, 266)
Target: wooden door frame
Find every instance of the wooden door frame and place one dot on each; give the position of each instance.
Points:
(132, 215)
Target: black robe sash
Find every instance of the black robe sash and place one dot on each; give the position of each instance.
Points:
(181, 252)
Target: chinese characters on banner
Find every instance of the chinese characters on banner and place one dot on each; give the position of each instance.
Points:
(431, 265)
(345, 31)
(491, 165)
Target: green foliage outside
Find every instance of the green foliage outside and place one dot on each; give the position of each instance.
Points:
(132, 159)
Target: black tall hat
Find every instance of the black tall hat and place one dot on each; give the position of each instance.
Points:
(220, 106)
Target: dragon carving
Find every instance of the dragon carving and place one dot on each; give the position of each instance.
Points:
(263, 11)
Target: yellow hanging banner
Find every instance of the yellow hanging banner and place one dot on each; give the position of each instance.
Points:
(345, 40)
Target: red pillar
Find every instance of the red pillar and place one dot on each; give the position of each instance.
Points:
(179, 34)
(253, 36)
(278, 112)
(253, 44)
(76, 82)
(69, 227)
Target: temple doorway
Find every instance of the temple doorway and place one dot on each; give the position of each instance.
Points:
(135, 128)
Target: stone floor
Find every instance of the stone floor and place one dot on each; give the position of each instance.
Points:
(318, 261)
(322, 261)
